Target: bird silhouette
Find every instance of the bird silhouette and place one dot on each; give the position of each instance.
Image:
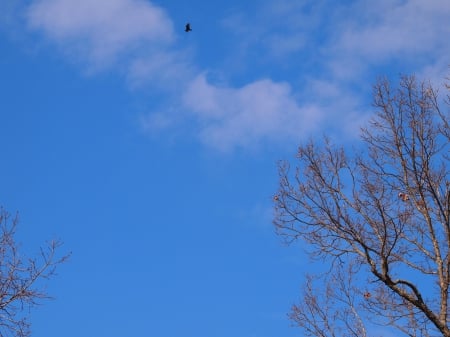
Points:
(188, 28)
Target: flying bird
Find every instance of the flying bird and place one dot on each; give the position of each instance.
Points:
(188, 28)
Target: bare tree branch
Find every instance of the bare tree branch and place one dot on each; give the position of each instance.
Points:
(20, 278)
(384, 212)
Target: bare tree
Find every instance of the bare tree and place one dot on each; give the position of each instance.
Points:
(21, 278)
(380, 217)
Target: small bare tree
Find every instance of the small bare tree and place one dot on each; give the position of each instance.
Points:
(380, 217)
(20, 279)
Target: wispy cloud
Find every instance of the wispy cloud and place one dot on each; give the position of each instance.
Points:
(101, 31)
(304, 63)
(325, 33)
(333, 48)
(261, 111)
(412, 32)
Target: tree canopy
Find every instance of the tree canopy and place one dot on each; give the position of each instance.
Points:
(379, 215)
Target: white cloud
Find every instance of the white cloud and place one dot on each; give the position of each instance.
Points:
(328, 48)
(333, 48)
(102, 30)
(347, 38)
(404, 28)
(243, 117)
(412, 31)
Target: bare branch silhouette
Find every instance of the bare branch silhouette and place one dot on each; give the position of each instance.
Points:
(382, 212)
(20, 278)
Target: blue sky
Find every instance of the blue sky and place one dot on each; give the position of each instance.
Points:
(152, 153)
